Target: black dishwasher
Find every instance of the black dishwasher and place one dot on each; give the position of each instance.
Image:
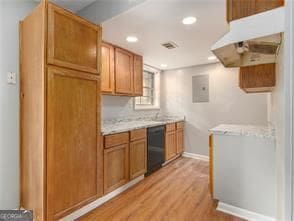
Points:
(155, 148)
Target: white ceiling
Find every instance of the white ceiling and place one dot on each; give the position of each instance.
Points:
(158, 21)
(72, 5)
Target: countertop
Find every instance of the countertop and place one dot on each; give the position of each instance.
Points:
(244, 130)
(114, 126)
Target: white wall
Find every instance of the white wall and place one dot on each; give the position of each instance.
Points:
(102, 10)
(122, 107)
(228, 103)
(282, 117)
(11, 12)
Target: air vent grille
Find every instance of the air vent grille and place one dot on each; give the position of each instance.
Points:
(170, 45)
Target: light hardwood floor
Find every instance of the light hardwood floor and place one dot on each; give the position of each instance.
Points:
(177, 192)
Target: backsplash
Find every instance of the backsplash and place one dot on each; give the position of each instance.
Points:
(120, 108)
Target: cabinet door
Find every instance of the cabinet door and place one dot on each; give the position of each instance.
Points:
(72, 41)
(124, 68)
(237, 9)
(257, 78)
(116, 167)
(138, 75)
(74, 156)
(138, 158)
(107, 68)
(170, 145)
(180, 141)
(211, 164)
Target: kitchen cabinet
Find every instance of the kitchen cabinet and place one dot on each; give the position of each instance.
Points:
(116, 161)
(72, 152)
(180, 137)
(138, 153)
(237, 9)
(61, 159)
(257, 78)
(170, 141)
(138, 75)
(107, 68)
(211, 164)
(66, 41)
(124, 72)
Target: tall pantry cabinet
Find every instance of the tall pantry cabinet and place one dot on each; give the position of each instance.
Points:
(61, 159)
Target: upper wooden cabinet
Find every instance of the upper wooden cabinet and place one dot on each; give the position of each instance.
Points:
(138, 75)
(257, 78)
(242, 8)
(61, 157)
(124, 71)
(72, 41)
(107, 68)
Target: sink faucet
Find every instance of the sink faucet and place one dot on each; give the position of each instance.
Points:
(157, 115)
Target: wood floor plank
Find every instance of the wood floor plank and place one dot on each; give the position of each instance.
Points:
(177, 192)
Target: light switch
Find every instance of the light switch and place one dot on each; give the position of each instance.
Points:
(11, 78)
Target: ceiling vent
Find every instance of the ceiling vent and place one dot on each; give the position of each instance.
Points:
(170, 45)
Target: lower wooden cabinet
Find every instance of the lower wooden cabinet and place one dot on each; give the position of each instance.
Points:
(138, 153)
(116, 167)
(180, 137)
(170, 144)
(211, 164)
(180, 141)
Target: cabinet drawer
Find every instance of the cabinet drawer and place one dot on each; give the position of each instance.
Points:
(138, 134)
(116, 139)
(180, 125)
(170, 127)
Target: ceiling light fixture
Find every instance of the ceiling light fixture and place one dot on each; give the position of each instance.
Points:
(132, 39)
(211, 58)
(189, 20)
(163, 65)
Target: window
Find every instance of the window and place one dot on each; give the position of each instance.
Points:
(150, 98)
(148, 89)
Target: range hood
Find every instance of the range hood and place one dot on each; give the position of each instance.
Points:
(252, 40)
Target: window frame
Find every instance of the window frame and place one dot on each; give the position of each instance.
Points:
(155, 104)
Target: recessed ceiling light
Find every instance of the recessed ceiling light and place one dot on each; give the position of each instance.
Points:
(132, 39)
(211, 58)
(163, 65)
(189, 20)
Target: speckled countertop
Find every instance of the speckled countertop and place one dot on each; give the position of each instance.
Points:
(244, 130)
(117, 126)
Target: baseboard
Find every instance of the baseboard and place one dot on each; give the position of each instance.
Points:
(170, 160)
(75, 215)
(196, 156)
(242, 213)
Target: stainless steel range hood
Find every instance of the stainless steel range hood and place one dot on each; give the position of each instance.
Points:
(252, 40)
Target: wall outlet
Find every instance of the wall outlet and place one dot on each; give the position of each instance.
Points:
(11, 78)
